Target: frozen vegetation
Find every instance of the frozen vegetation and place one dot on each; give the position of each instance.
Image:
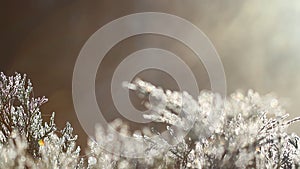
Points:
(241, 131)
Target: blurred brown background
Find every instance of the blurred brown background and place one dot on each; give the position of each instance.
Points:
(257, 41)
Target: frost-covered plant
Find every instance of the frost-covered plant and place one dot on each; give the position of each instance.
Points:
(20, 112)
(241, 131)
(27, 142)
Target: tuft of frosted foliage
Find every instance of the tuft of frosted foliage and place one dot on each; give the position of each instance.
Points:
(241, 131)
(25, 141)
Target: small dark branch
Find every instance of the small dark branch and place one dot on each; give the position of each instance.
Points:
(292, 121)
